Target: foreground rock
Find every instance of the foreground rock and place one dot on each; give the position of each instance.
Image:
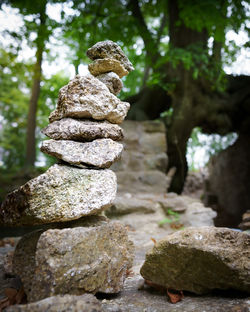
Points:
(99, 153)
(82, 130)
(62, 193)
(94, 257)
(69, 303)
(109, 49)
(200, 259)
(88, 97)
(112, 81)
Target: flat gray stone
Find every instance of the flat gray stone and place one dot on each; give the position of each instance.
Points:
(99, 153)
(112, 81)
(89, 258)
(88, 97)
(82, 130)
(106, 65)
(62, 193)
(69, 303)
(109, 49)
(200, 260)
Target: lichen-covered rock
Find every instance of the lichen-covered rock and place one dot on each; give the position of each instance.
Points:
(62, 193)
(99, 153)
(102, 66)
(93, 257)
(69, 303)
(88, 97)
(82, 130)
(112, 81)
(109, 49)
(200, 259)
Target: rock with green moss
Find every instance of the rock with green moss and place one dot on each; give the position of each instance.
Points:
(60, 194)
(200, 259)
(92, 257)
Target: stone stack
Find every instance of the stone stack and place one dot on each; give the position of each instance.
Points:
(81, 251)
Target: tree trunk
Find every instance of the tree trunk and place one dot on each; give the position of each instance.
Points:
(31, 124)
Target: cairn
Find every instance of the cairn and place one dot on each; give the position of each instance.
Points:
(79, 251)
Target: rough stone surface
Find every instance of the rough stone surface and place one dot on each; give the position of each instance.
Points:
(88, 97)
(69, 303)
(99, 153)
(106, 65)
(143, 165)
(112, 81)
(92, 258)
(110, 49)
(82, 130)
(62, 193)
(228, 185)
(153, 181)
(200, 259)
(126, 204)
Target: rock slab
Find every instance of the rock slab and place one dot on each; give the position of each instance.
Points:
(200, 259)
(99, 153)
(109, 49)
(94, 257)
(62, 193)
(87, 97)
(106, 65)
(82, 130)
(69, 303)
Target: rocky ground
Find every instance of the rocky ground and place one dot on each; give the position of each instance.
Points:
(144, 230)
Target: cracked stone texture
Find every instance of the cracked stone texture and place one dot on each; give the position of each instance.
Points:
(112, 81)
(87, 97)
(62, 193)
(109, 49)
(102, 66)
(94, 257)
(99, 153)
(200, 260)
(82, 130)
(69, 303)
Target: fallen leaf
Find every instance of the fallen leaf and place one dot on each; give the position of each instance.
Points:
(4, 303)
(21, 296)
(11, 294)
(175, 297)
(153, 240)
(176, 226)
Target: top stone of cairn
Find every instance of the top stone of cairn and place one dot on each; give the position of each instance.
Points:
(109, 49)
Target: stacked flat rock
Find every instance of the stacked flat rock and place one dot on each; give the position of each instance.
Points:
(84, 135)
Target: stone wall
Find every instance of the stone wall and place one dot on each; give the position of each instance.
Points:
(143, 165)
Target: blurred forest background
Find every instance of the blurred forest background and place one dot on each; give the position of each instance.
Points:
(179, 50)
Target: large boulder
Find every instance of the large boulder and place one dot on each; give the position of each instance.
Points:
(69, 303)
(92, 257)
(87, 97)
(200, 259)
(82, 130)
(101, 153)
(62, 193)
(109, 49)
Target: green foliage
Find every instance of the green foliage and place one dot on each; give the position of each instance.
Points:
(210, 144)
(173, 217)
(14, 79)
